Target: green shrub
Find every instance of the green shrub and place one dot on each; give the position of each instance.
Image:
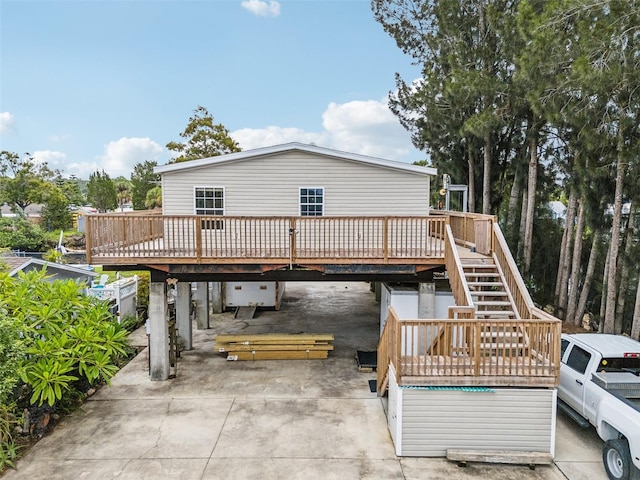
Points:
(20, 234)
(67, 335)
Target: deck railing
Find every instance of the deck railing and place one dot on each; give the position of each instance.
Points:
(226, 239)
(490, 352)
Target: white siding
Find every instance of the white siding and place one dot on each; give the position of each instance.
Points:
(503, 419)
(269, 185)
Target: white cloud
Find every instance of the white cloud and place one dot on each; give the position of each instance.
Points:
(121, 155)
(55, 160)
(262, 9)
(365, 127)
(58, 138)
(7, 123)
(250, 138)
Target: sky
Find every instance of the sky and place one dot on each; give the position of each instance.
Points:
(102, 85)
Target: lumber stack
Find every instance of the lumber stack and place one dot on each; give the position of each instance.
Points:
(275, 346)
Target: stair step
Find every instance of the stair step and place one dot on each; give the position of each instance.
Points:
(481, 263)
(495, 313)
(485, 284)
(488, 293)
(482, 274)
(492, 303)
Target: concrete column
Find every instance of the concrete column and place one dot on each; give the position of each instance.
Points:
(427, 300)
(201, 297)
(215, 298)
(183, 318)
(158, 332)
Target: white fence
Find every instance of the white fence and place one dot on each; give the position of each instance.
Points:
(123, 294)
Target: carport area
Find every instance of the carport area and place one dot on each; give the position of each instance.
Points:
(273, 419)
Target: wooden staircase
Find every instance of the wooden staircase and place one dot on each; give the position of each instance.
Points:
(491, 298)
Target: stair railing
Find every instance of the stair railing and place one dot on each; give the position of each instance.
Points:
(459, 287)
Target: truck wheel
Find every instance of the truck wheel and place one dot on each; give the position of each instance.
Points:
(617, 459)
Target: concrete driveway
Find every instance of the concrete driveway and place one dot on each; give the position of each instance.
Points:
(269, 419)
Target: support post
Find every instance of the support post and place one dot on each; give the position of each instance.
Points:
(215, 298)
(427, 300)
(202, 305)
(158, 332)
(183, 318)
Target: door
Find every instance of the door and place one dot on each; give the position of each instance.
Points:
(573, 376)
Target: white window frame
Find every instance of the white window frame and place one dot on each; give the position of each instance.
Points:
(300, 204)
(218, 225)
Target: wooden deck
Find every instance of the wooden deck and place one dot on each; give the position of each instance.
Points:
(120, 239)
(470, 352)
(516, 346)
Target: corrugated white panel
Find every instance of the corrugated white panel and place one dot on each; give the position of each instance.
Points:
(270, 186)
(504, 419)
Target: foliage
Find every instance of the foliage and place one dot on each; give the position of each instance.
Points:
(20, 234)
(24, 180)
(204, 138)
(12, 348)
(68, 336)
(144, 279)
(123, 191)
(73, 189)
(535, 98)
(55, 212)
(154, 198)
(142, 180)
(8, 449)
(101, 192)
(54, 255)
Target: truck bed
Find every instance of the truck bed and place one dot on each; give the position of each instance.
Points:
(623, 385)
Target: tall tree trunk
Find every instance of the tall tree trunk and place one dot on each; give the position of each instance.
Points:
(563, 265)
(575, 266)
(563, 247)
(531, 197)
(612, 291)
(471, 161)
(588, 278)
(523, 219)
(603, 297)
(624, 275)
(514, 197)
(486, 176)
(635, 326)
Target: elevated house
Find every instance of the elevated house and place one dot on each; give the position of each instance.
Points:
(480, 379)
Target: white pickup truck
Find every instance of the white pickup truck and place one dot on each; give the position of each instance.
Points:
(600, 384)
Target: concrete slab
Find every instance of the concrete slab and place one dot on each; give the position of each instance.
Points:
(265, 420)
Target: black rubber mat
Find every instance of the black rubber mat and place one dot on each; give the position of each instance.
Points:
(367, 359)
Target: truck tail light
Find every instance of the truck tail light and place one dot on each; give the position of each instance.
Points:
(631, 355)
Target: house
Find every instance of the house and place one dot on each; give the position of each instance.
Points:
(462, 383)
(55, 271)
(290, 180)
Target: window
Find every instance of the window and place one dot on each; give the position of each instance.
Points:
(563, 347)
(578, 359)
(209, 201)
(311, 202)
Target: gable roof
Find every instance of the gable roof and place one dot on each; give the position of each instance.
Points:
(290, 147)
(17, 264)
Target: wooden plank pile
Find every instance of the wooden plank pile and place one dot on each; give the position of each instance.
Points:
(274, 346)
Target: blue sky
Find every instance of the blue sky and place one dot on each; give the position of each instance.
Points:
(88, 85)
